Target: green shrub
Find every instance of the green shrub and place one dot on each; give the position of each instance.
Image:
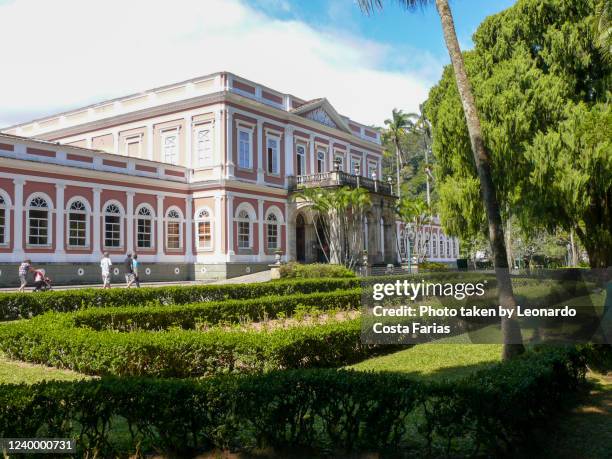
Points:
(433, 266)
(214, 312)
(21, 305)
(491, 412)
(298, 270)
(55, 339)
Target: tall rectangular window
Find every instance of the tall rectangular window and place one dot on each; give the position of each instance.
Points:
(3, 213)
(204, 145)
(301, 160)
(244, 235)
(273, 156)
(339, 162)
(320, 162)
(244, 149)
(133, 146)
(372, 170)
(170, 147)
(355, 166)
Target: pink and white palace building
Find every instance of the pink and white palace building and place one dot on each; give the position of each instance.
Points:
(196, 177)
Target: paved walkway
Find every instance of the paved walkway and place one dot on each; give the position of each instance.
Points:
(263, 276)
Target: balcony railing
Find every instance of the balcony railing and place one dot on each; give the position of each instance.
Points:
(338, 178)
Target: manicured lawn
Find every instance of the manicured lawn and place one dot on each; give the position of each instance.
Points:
(435, 361)
(14, 372)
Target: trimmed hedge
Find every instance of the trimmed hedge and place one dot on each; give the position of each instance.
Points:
(21, 305)
(313, 270)
(54, 339)
(230, 311)
(490, 413)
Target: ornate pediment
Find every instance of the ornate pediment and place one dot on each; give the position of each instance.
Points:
(321, 116)
(321, 111)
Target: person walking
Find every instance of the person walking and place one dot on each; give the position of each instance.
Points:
(24, 269)
(135, 267)
(129, 270)
(105, 265)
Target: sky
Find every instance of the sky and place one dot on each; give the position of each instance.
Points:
(64, 54)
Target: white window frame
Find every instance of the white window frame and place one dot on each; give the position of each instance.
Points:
(441, 247)
(355, 160)
(49, 219)
(151, 219)
(373, 165)
(341, 156)
(205, 126)
(129, 140)
(87, 213)
(249, 133)
(252, 219)
(321, 162)
(171, 132)
(274, 211)
(275, 154)
(6, 206)
(121, 224)
(180, 220)
(434, 246)
(300, 159)
(200, 218)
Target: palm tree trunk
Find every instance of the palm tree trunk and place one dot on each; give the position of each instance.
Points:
(397, 169)
(510, 329)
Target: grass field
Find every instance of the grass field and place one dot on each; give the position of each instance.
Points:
(15, 372)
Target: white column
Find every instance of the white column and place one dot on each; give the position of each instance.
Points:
(288, 151)
(188, 142)
(97, 224)
(218, 226)
(189, 229)
(312, 154)
(229, 162)
(230, 226)
(260, 231)
(60, 236)
(382, 237)
(366, 233)
(18, 218)
(260, 170)
(129, 216)
(218, 159)
(160, 228)
(150, 142)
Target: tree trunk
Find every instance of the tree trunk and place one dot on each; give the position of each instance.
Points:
(573, 249)
(397, 169)
(510, 329)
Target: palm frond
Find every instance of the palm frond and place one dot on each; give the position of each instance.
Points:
(370, 6)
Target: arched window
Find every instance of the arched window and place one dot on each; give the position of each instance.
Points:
(144, 228)
(77, 224)
(320, 162)
(300, 160)
(244, 230)
(174, 226)
(434, 246)
(39, 214)
(203, 229)
(272, 232)
(441, 251)
(4, 211)
(112, 226)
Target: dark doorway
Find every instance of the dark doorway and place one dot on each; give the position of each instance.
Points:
(300, 239)
(322, 244)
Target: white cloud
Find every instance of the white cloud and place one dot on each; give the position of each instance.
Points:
(67, 53)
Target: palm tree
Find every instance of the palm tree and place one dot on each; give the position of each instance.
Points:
(397, 126)
(603, 27)
(510, 329)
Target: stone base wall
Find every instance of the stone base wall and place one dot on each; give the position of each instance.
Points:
(89, 273)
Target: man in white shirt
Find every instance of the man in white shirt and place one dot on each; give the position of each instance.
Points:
(105, 265)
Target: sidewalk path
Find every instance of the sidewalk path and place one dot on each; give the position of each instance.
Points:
(263, 276)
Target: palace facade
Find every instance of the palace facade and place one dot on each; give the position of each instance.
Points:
(197, 177)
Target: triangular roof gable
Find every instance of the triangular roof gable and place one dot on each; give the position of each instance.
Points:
(321, 111)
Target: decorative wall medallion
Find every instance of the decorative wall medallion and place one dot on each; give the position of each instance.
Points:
(203, 269)
(116, 271)
(248, 269)
(177, 271)
(148, 271)
(80, 271)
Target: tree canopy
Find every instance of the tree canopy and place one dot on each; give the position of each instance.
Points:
(542, 88)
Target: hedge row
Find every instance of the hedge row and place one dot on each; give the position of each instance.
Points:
(54, 339)
(488, 414)
(21, 305)
(15, 306)
(214, 312)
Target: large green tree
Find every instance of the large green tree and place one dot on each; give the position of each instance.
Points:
(534, 67)
(483, 164)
